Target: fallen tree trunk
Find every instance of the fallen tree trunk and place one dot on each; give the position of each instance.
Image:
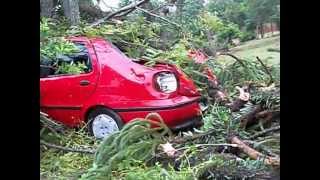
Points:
(252, 153)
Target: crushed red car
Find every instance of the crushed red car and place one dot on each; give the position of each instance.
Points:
(114, 89)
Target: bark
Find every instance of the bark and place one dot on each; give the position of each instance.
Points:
(236, 105)
(250, 118)
(261, 30)
(71, 11)
(252, 153)
(90, 9)
(46, 8)
(211, 50)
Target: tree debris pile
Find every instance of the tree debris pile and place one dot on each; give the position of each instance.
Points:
(240, 138)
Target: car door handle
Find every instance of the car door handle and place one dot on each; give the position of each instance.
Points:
(84, 83)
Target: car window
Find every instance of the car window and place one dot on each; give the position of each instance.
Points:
(76, 63)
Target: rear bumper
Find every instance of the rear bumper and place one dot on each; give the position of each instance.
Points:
(176, 117)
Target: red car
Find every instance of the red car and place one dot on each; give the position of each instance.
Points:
(115, 89)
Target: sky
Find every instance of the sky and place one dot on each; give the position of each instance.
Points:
(106, 4)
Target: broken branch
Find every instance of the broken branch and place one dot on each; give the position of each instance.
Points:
(235, 57)
(276, 128)
(252, 153)
(267, 71)
(194, 137)
(88, 151)
(162, 18)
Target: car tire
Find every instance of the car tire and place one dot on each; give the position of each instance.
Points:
(103, 122)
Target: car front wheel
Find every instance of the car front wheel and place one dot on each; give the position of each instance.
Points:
(103, 122)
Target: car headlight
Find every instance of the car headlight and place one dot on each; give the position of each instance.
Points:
(166, 82)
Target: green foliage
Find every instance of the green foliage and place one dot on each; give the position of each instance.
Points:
(222, 121)
(228, 32)
(189, 10)
(247, 36)
(124, 154)
(52, 45)
(231, 74)
(211, 22)
(56, 164)
(261, 11)
(236, 13)
(157, 172)
(63, 166)
(268, 99)
(178, 54)
(56, 46)
(221, 167)
(223, 30)
(66, 68)
(217, 118)
(135, 142)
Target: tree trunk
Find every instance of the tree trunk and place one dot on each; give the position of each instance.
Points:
(71, 11)
(261, 30)
(211, 49)
(88, 8)
(46, 8)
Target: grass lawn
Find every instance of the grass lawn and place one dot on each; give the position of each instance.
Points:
(254, 48)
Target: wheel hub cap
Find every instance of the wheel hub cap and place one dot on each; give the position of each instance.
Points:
(103, 126)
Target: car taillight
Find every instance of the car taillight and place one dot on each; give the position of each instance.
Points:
(166, 82)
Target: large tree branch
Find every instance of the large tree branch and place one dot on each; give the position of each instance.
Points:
(236, 58)
(155, 15)
(253, 154)
(124, 9)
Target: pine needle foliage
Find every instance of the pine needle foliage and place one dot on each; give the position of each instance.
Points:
(137, 141)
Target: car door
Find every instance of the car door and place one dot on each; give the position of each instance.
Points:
(63, 96)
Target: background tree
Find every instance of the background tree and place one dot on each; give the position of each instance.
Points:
(90, 11)
(71, 11)
(46, 8)
(260, 12)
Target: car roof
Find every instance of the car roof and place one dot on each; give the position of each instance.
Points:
(84, 38)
